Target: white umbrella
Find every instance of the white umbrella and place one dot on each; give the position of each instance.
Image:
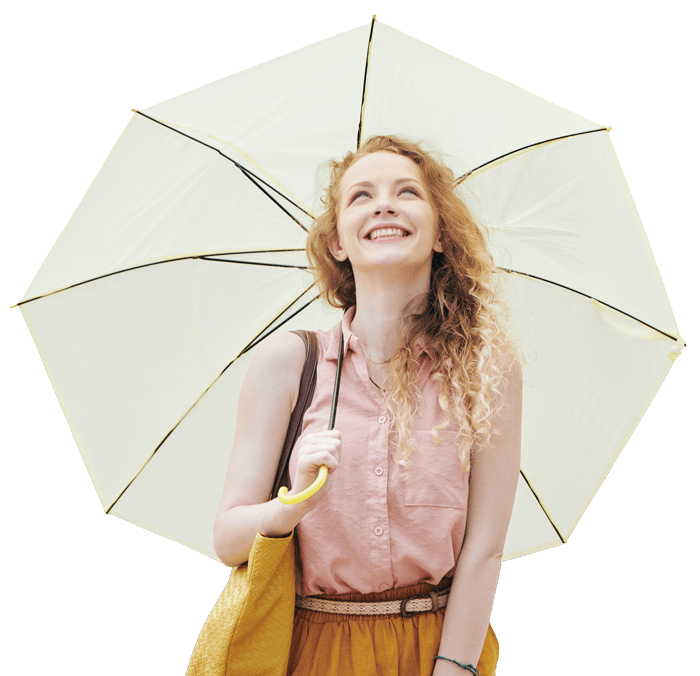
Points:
(186, 250)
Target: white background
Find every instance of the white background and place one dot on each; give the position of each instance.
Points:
(105, 597)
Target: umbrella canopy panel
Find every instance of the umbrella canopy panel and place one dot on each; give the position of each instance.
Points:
(161, 197)
(130, 354)
(590, 372)
(283, 118)
(562, 212)
(469, 115)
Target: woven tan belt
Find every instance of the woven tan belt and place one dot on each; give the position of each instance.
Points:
(407, 607)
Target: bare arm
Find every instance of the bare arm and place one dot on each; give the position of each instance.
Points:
(266, 402)
(492, 485)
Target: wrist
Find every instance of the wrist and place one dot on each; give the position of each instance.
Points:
(281, 519)
(451, 666)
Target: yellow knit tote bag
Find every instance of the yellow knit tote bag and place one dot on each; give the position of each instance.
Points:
(249, 630)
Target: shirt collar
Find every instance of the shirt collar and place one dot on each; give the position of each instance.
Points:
(350, 339)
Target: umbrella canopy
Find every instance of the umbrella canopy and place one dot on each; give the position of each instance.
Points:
(188, 249)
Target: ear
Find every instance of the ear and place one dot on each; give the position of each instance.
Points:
(437, 246)
(336, 249)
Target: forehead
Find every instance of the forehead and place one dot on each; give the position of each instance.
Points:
(378, 166)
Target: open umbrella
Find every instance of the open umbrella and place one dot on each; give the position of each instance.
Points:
(188, 249)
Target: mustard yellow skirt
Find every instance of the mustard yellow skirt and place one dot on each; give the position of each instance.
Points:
(329, 644)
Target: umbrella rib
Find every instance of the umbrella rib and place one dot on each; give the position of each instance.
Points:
(246, 172)
(168, 260)
(364, 83)
(585, 295)
(463, 177)
(272, 265)
(264, 333)
(245, 349)
(254, 180)
(546, 513)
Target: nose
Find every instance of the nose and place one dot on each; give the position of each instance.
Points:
(385, 205)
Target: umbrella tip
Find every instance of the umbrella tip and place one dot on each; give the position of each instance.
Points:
(133, 110)
(608, 128)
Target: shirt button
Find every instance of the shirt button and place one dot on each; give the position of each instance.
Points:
(379, 471)
(384, 586)
(378, 530)
(382, 419)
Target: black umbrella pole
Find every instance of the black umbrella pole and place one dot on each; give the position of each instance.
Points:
(336, 386)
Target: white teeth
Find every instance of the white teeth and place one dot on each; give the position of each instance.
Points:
(387, 232)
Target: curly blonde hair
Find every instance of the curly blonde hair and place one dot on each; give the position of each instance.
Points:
(462, 326)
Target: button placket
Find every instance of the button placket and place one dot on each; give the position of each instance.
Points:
(377, 475)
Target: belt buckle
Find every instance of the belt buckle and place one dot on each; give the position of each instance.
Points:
(430, 595)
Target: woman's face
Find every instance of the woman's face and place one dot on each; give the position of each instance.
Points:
(385, 217)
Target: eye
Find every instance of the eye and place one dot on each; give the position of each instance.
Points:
(413, 190)
(357, 194)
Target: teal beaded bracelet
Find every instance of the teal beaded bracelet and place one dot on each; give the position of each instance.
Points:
(468, 667)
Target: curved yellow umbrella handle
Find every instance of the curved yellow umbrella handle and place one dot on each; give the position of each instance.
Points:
(306, 493)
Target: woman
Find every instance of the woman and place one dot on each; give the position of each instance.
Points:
(424, 461)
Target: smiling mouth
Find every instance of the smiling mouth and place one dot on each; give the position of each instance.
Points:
(386, 233)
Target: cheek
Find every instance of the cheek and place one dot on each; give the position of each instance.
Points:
(344, 230)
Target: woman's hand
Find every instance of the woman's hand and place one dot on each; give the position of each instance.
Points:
(316, 449)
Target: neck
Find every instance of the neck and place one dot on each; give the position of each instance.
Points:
(379, 311)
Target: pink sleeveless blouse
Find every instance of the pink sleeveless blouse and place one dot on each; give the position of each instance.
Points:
(373, 530)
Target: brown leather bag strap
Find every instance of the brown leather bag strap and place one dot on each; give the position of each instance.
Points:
(307, 386)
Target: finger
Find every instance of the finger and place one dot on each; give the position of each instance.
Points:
(320, 437)
(316, 460)
(315, 443)
(313, 461)
(312, 453)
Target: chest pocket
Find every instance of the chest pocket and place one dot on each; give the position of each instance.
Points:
(436, 478)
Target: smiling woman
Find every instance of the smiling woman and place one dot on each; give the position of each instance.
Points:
(424, 458)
